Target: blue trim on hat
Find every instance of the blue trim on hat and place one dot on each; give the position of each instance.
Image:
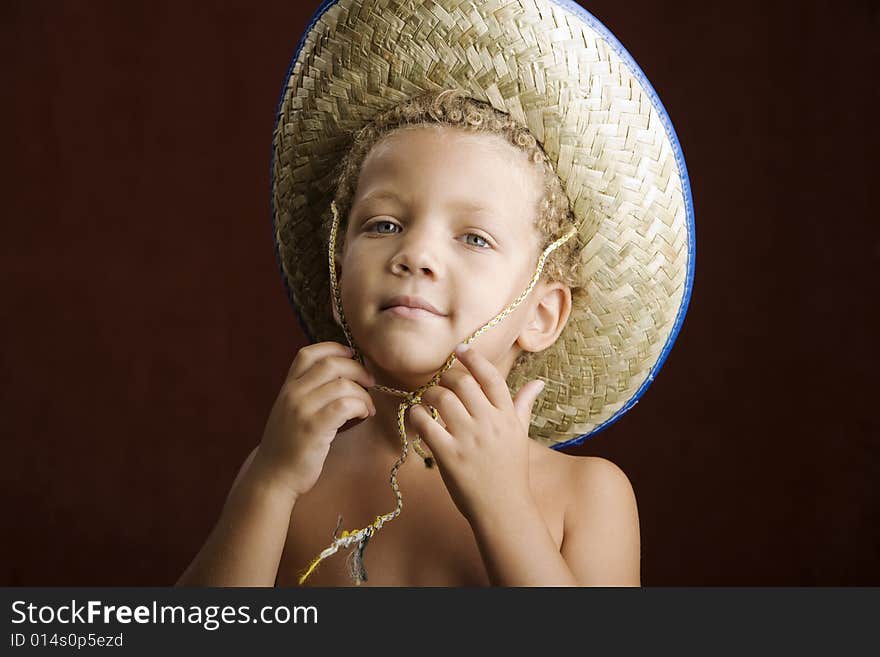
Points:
(634, 68)
(314, 19)
(612, 41)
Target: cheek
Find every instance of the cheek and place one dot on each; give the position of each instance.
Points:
(483, 301)
(356, 262)
(358, 287)
(492, 292)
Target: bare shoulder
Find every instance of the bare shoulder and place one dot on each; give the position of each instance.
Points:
(601, 537)
(580, 477)
(595, 475)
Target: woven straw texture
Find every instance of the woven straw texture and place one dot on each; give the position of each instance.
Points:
(556, 74)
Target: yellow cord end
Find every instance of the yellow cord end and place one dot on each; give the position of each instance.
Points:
(309, 570)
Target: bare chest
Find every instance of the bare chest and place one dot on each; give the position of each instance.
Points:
(429, 544)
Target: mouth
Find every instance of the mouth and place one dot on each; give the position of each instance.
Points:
(407, 306)
(411, 313)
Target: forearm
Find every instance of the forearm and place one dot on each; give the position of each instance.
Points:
(245, 546)
(517, 548)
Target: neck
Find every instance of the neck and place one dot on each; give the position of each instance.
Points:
(383, 427)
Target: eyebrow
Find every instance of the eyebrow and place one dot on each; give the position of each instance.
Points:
(457, 204)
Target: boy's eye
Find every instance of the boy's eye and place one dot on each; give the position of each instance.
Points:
(482, 244)
(383, 223)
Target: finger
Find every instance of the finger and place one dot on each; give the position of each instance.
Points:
(468, 391)
(525, 400)
(332, 368)
(340, 410)
(335, 389)
(312, 353)
(486, 374)
(451, 409)
(431, 433)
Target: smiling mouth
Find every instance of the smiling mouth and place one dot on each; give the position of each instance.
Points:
(411, 313)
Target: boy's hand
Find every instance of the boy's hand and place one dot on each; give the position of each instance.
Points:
(483, 453)
(324, 389)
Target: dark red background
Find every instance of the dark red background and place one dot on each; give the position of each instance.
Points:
(146, 330)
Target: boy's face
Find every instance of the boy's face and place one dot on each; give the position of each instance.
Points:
(448, 217)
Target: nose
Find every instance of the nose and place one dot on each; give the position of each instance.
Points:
(417, 254)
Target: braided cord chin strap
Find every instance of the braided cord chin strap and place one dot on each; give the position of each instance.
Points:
(362, 536)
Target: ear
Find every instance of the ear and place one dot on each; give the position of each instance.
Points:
(548, 315)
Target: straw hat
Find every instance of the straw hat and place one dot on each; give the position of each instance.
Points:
(557, 70)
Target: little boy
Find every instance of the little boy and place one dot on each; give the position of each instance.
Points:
(528, 222)
(441, 218)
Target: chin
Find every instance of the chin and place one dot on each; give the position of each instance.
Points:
(409, 365)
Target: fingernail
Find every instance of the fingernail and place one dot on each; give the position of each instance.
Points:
(541, 385)
(460, 349)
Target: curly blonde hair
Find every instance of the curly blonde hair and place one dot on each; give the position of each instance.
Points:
(454, 108)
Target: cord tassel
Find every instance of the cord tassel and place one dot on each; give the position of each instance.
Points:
(357, 569)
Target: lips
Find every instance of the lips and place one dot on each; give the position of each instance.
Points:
(412, 302)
